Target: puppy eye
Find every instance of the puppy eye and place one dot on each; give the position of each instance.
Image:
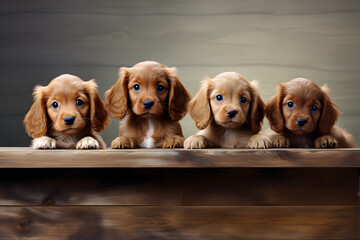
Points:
(219, 97)
(243, 99)
(290, 104)
(79, 102)
(313, 108)
(136, 87)
(160, 88)
(55, 105)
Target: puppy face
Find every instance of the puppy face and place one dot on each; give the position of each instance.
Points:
(231, 100)
(67, 106)
(148, 89)
(302, 107)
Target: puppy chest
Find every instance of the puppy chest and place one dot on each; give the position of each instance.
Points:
(152, 135)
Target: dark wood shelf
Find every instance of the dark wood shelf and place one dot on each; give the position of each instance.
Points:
(179, 194)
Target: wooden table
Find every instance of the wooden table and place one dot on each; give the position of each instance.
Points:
(179, 194)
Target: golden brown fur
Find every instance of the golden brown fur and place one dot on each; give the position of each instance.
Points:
(65, 97)
(310, 119)
(227, 123)
(154, 126)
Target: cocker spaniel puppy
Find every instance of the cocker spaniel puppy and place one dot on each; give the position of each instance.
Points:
(301, 114)
(67, 113)
(151, 100)
(229, 111)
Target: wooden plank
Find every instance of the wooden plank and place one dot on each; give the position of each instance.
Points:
(90, 187)
(271, 187)
(175, 187)
(179, 158)
(105, 223)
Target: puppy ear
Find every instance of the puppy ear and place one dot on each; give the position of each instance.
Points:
(329, 114)
(199, 106)
(35, 120)
(116, 98)
(178, 96)
(273, 110)
(257, 108)
(98, 115)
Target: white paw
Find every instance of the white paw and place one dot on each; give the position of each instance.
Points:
(259, 141)
(195, 141)
(87, 143)
(43, 143)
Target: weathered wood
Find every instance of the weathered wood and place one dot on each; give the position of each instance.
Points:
(90, 187)
(270, 187)
(179, 158)
(107, 223)
(176, 187)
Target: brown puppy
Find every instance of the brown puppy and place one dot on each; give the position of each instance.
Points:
(301, 114)
(229, 111)
(152, 100)
(67, 113)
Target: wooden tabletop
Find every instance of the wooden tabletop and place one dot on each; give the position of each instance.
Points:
(179, 158)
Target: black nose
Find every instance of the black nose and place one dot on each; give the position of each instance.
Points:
(301, 122)
(69, 120)
(148, 104)
(231, 113)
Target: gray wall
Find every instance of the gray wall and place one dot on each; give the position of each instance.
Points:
(272, 41)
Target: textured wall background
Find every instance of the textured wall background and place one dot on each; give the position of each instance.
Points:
(272, 41)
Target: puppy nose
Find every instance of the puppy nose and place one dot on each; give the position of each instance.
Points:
(148, 104)
(301, 122)
(69, 120)
(231, 113)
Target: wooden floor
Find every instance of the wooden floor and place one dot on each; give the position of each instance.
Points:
(181, 194)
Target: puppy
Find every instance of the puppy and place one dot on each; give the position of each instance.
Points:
(229, 111)
(301, 114)
(152, 100)
(67, 113)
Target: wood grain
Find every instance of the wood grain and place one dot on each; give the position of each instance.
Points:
(90, 187)
(180, 187)
(107, 223)
(271, 187)
(162, 158)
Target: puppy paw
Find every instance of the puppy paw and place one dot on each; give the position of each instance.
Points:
(87, 143)
(280, 141)
(259, 141)
(43, 143)
(325, 142)
(173, 142)
(195, 141)
(123, 142)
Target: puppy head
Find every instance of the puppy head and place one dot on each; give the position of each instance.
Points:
(231, 100)
(148, 89)
(301, 106)
(67, 105)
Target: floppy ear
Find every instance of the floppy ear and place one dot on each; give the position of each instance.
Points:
(329, 113)
(116, 98)
(273, 110)
(257, 108)
(178, 96)
(199, 106)
(35, 120)
(98, 115)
